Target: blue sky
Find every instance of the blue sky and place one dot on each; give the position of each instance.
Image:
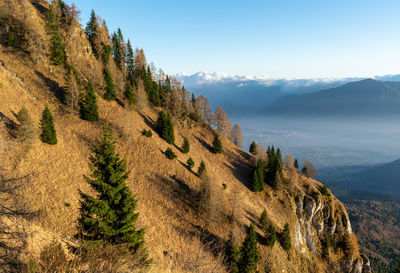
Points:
(280, 38)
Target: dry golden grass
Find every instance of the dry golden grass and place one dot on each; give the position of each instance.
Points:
(166, 189)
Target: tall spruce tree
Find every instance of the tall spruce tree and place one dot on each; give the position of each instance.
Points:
(109, 95)
(89, 104)
(57, 50)
(286, 239)
(92, 33)
(258, 177)
(110, 214)
(217, 144)
(249, 256)
(165, 127)
(48, 134)
(130, 62)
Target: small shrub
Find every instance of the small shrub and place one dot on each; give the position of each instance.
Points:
(190, 163)
(147, 133)
(170, 154)
(53, 258)
(67, 205)
(224, 186)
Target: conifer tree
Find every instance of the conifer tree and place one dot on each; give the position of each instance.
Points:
(253, 148)
(217, 144)
(278, 163)
(109, 95)
(270, 235)
(202, 168)
(165, 127)
(264, 220)
(110, 214)
(286, 240)
(130, 62)
(249, 256)
(92, 33)
(48, 134)
(258, 177)
(233, 255)
(185, 146)
(89, 104)
(129, 95)
(57, 51)
(296, 164)
(25, 128)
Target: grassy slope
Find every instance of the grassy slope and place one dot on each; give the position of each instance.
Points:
(164, 188)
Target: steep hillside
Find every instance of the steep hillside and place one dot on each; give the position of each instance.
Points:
(361, 98)
(178, 237)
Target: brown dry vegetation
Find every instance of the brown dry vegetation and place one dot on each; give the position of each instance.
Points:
(180, 237)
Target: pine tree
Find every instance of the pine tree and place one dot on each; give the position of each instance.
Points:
(130, 62)
(48, 134)
(92, 32)
(286, 240)
(186, 146)
(25, 128)
(253, 148)
(258, 177)
(202, 168)
(165, 127)
(296, 164)
(249, 256)
(110, 214)
(109, 95)
(233, 255)
(217, 145)
(264, 220)
(57, 50)
(129, 95)
(89, 104)
(278, 163)
(270, 235)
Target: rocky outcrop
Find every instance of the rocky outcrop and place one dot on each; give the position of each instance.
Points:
(320, 219)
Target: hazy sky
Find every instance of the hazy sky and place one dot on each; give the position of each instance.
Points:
(280, 38)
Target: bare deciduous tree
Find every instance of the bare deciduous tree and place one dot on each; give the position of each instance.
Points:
(141, 96)
(222, 123)
(71, 92)
(237, 136)
(308, 169)
(261, 154)
(289, 161)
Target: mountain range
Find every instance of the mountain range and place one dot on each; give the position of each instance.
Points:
(249, 95)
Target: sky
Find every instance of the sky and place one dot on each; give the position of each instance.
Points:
(275, 38)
